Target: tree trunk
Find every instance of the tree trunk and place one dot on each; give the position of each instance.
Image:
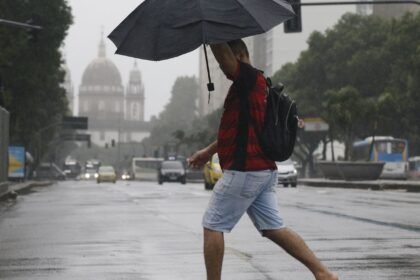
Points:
(332, 144)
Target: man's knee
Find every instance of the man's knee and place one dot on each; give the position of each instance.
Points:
(272, 233)
(268, 233)
(212, 234)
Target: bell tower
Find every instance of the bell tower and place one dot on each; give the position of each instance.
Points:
(135, 96)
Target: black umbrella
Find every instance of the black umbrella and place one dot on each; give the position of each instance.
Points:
(163, 29)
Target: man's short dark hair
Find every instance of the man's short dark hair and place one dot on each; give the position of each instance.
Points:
(238, 46)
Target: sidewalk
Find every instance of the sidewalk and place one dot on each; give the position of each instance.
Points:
(4, 188)
(9, 189)
(409, 186)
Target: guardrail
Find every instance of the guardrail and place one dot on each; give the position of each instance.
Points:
(4, 144)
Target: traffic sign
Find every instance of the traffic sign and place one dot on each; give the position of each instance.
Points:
(75, 137)
(75, 122)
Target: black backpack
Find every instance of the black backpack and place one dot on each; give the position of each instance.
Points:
(278, 136)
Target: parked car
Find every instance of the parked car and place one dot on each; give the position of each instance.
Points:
(49, 171)
(287, 173)
(414, 168)
(106, 174)
(212, 172)
(172, 171)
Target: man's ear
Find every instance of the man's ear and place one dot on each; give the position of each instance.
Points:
(239, 56)
(243, 57)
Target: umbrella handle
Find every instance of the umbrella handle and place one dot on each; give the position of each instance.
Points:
(210, 85)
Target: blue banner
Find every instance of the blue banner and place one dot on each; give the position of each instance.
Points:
(16, 162)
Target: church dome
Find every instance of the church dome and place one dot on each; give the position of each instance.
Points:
(102, 71)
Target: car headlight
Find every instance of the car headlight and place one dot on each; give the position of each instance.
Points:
(294, 172)
(87, 176)
(96, 175)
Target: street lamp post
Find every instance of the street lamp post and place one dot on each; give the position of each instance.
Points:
(19, 24)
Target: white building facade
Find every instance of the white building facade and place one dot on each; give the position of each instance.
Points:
(394, 10)
(116, 114)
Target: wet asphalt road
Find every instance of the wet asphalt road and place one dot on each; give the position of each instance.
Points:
(81, 230)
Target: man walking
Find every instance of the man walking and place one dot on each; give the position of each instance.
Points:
(249, 176)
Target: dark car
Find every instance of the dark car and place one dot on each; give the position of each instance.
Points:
(49, 171)
(72, 169)
(172, 171)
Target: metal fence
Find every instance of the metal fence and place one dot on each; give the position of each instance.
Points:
(4, 144)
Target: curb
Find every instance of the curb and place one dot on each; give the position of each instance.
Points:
(12, 191)
(4, 189)
(377, 185)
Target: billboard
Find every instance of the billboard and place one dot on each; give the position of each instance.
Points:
(16, 162)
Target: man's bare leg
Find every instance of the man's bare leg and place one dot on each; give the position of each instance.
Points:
(293, 244)
(214, 248)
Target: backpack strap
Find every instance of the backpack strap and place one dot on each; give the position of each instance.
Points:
(243, 86)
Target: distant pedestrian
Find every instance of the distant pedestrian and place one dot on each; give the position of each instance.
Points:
(249, 176)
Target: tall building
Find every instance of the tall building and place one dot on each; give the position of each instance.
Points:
(115, 115)
(394, 10)
(364, 9)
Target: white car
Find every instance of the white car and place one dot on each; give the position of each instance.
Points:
(287, 173)
(90, 174)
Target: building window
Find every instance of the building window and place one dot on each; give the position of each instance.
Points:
(101, 106)
(134, 111)
(86, 106)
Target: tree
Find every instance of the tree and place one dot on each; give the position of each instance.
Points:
(182, 107)
(361, 76)
(400, 101)
(177, 116)
(30, 68)
(348, 114)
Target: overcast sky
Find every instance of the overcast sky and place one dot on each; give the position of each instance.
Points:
(90, 16)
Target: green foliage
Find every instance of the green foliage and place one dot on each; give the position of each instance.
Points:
(30, 68)
(362, 76)
(348, 113)
(182, 107)
(177, 117)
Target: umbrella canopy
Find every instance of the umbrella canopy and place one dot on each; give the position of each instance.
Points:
(163, 29)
